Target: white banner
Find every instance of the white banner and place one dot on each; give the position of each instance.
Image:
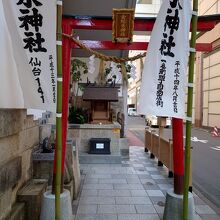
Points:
(29, 54)
(164, 76)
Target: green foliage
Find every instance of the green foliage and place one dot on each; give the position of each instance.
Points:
(78, 67)
(108, 70)
(78, 115)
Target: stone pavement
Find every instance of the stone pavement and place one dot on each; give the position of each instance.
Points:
(133, 190)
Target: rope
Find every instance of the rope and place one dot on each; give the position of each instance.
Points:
(102, 56)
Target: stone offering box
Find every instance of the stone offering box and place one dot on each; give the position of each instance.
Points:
(83, 133)
(99, 146)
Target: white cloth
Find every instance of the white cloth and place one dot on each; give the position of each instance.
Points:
(27, 78)
(163, 85)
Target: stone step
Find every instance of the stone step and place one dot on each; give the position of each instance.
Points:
(85, 158)
(17, 212)
(32, 194)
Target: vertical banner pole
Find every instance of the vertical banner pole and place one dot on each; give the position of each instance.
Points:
(58, 154)
(189, 109)
(66, 58)
(178, 156)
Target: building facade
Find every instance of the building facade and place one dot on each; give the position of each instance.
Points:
(144, 8)
(207, 78)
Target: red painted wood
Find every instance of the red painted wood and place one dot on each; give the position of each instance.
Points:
(178, 155)
(109, 45)
(66, 60)
(139, 24)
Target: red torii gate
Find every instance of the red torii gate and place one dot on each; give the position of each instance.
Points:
(69, 23)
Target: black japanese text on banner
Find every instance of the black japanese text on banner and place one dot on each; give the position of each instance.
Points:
(31, 28)
(164, 76)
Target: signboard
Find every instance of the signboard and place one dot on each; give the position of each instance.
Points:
(99, 146)
(122, 25)
(30, 55)
(163, 85)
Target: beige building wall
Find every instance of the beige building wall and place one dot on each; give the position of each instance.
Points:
(207, 81)
(211, 89)
(19, 135)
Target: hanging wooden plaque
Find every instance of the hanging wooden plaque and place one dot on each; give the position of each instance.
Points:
(122, 25)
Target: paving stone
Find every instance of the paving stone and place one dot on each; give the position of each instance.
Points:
(147, 181)
(151, 169)
(138, 217)
(121, 192)
(145, 209)
(114, 165)
(96, 217)
(197, 217)
(133, 171)
(158, 200)
(119, 176)
(133, 200)
(99, 176)
(142, 172)
(85, 171)
(165, 186)
(138, 165)
(210, 217)
(102, 172)
(87, 209)
(151, 186)
(125, 162)
(155, 193)
(144, 176)
(97, 200)
(163, 181)
(117, 192)
(97, 186)
(204, 209)
(81, 166)
(127, 186)
(112, 181)
(133, 180)
(157, 177)
(198, 201)
(161, 216)
(101, 165)
(89, 192)
(141, 169)
(126, 165)
(138, 192)
(116, 209)
(154, 172)
(91, 180)
(159, 209)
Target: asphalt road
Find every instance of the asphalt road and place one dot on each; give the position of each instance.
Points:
(205, 158)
